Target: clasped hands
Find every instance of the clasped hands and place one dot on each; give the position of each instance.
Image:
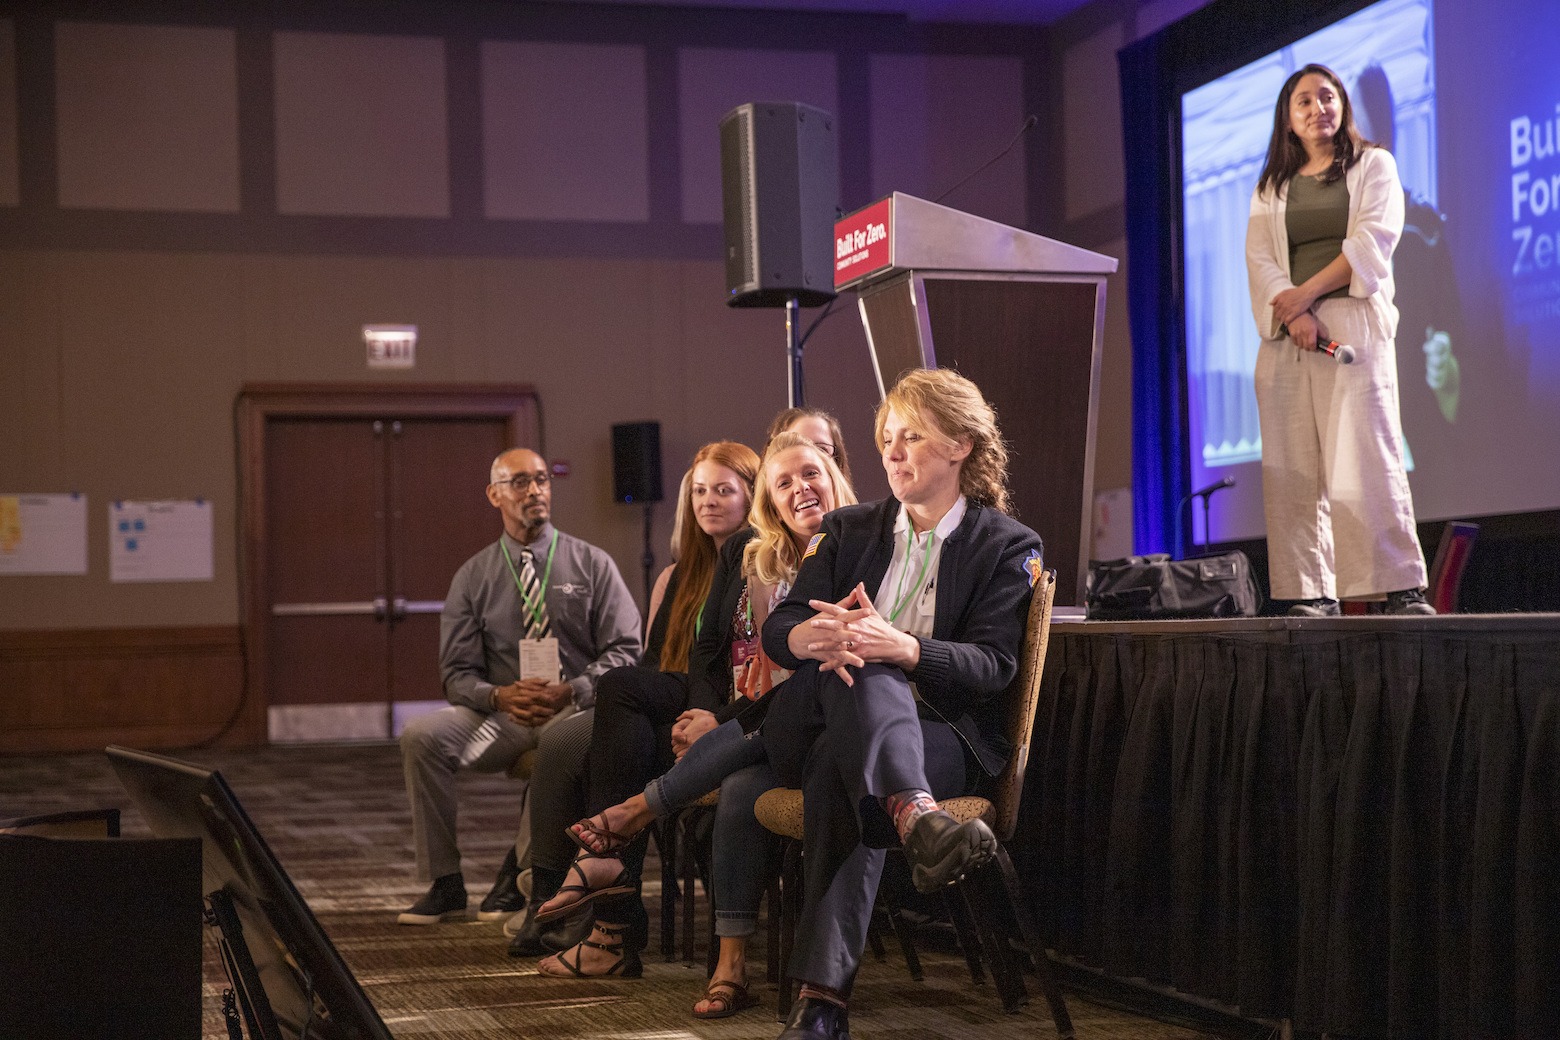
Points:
(1292, 308)
(851, 633)
(531, 702)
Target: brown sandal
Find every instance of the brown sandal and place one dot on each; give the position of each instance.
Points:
(627, 966)
(616, 888)
(612, 843)
(727, 997)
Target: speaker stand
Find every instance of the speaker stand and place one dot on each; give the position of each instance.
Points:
(793, 350)
(648, 560)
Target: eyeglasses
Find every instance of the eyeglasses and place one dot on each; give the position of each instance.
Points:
(520, 483)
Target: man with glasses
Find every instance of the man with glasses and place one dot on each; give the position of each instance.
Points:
(529, 624)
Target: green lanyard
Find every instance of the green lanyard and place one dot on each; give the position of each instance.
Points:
(534, 609)
(904, 596)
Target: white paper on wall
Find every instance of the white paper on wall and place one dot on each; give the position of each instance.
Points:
(43, 534)
(160, 541)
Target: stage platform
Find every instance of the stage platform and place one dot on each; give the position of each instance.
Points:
(1352, 823)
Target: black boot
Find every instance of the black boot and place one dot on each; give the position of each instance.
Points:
(814, 1019)
(534, 940)
(504, 898)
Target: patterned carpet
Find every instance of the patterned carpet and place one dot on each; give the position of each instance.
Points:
(336, 817)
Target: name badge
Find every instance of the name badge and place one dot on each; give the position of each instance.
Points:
(539, 659)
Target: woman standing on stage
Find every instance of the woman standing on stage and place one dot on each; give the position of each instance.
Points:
(1325, 218)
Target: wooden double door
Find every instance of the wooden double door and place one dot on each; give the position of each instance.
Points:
(366, 506)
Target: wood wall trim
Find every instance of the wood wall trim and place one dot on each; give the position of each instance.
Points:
(157, 688)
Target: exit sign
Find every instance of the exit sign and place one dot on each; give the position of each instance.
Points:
(391, 346)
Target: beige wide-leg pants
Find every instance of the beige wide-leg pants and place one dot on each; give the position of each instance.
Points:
(1340, 519)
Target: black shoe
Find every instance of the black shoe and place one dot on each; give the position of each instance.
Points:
(534, 940)
(941, 850)
(446, 898)
(813, 1019)
(1408, 601)
(1319, 607)
(504, 900)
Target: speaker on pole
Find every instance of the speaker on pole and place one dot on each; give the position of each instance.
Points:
(780, 191)
(636, 462)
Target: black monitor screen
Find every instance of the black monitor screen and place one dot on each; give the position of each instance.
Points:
(310, 989)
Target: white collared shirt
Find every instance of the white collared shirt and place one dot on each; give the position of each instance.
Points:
(911, 581)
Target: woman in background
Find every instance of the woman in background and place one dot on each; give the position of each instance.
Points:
(712, 512)
(1326, 216)
(817, 426)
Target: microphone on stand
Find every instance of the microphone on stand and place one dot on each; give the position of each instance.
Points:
(1028, 125)
(1217, 485)
(1339, 352)
(1204, 493)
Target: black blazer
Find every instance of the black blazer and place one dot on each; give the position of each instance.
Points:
(709, 660)
(984, 578)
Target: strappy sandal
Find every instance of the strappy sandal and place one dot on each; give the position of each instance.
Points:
(613, 889)
(612, 843)
(627, 966)
(727, 997)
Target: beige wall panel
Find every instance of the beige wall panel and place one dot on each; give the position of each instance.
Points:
(321, 303)
(711, 82)
(10, 177)
(565, 131)
(31, 456)
(1113, 443)
(1091, 120)
(575, 329)
(936, 118)
(361, 125)
(147, 117)
(148, 365)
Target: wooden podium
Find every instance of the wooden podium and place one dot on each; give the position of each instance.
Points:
(1020, 314)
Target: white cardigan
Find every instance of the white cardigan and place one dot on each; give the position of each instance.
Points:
(1375, 225)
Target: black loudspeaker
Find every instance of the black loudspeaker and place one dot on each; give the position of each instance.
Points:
(636, 462)
(780, 193)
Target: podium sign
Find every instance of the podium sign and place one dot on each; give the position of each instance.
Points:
(862, 243)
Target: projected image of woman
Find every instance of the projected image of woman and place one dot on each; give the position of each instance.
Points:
(1325, 218)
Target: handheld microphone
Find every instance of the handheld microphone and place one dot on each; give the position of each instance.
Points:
(1339, 352)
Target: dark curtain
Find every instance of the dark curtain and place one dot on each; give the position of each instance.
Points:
(1358, 832)
(1159, 434)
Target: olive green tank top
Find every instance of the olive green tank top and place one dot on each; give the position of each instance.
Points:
(1317, 219)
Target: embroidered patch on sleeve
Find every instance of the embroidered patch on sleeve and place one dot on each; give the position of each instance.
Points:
(1033, 564)
(812, 546)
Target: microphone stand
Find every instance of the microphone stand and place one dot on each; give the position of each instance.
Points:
(648, 560)
(1205, 494)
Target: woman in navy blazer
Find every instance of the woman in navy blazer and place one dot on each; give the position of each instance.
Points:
(904, 627)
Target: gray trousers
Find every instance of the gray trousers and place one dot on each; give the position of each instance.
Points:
(433, 748)
(848, 747)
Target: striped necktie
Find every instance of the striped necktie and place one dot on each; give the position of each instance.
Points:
(537, 624)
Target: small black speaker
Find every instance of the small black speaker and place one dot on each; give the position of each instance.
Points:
(780, 192)
(636, 462)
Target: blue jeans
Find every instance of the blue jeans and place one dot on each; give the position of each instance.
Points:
(745, 851)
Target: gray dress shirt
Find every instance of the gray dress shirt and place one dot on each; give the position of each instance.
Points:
(593, 617)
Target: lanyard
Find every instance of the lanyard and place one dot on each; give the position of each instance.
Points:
(904, 596)
(534, 609)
